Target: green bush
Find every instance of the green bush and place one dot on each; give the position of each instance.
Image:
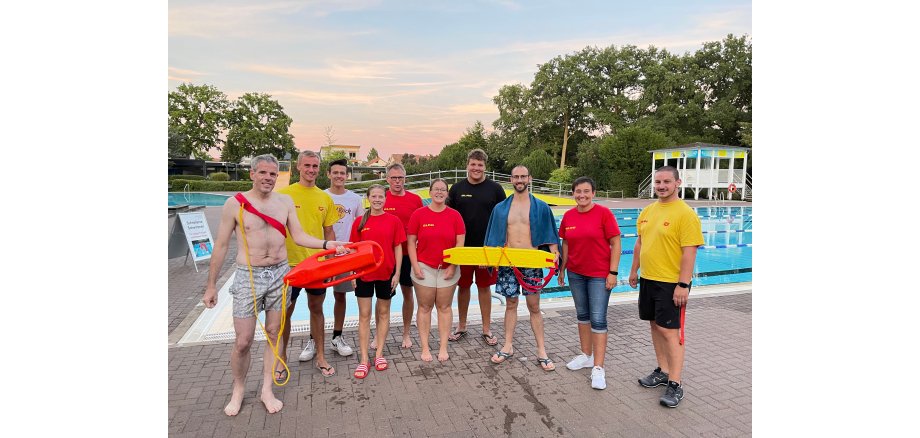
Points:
(210, 186)
(564, 176)
(243, 175)
(219, 176)
(186, 177)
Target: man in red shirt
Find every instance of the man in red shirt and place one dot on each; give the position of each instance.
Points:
(402, 203)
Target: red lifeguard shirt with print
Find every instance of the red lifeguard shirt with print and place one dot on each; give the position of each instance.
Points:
(588, 239)
(387, 230)
(402, 207)
(435, 233)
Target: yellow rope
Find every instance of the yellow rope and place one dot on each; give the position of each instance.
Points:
(255, 311)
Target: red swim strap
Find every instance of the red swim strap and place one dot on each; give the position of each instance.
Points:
(270, 220)
(683, 322)
(520, 277)
(534, 287)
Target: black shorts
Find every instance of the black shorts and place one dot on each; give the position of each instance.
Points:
(367, 289)
(295, 292)
(405, 271)
(656, 302)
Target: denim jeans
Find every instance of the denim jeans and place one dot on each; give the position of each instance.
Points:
(591, 297)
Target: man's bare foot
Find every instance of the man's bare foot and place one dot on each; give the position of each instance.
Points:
(443, 356)
(407, 342)
(236, 400)
(426, 355)
(325, 368)
(272, 404)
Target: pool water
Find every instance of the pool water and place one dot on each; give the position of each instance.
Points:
(196, 199)
(725, 257)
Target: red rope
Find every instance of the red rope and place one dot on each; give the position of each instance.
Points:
(683, 322)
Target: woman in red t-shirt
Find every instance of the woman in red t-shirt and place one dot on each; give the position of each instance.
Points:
(591, 254)
(432, 230)
(387, 230)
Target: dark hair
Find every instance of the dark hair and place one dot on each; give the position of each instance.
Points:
(339, 162)
(581, 180)
(671, 169)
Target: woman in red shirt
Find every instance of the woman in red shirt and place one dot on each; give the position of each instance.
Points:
(387, 230)
(591, 254)
(433, 229)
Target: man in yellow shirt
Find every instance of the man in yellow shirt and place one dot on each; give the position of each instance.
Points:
(669, 234)
(316, 213)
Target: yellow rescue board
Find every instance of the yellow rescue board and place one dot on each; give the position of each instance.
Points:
(493, 256)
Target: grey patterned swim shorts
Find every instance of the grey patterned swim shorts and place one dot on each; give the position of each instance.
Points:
(507, 284)
(269, 288)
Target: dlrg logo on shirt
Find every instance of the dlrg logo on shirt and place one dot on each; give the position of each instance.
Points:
(427, 225)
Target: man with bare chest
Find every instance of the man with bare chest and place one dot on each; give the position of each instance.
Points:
(522, 221)
(262, 263)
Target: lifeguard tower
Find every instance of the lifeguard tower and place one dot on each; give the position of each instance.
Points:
(704, 166)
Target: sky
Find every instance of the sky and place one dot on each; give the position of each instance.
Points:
(407, 76)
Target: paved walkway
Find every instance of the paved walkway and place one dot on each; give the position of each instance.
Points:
(469, 396)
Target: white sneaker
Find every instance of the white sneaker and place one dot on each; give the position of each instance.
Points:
(598, 378)
(308, 351)
(341, 346)
(581, 361)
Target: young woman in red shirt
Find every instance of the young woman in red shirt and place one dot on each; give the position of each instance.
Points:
(388, 231)
(433, 229)
(590, 254)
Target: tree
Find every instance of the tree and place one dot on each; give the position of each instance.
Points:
(258, 125)
(329, 135)
(562, 94)
(540, 164)
(725, 78)
(372, 154)
(197, 118)
(615, 76)
(627, 158)
(452, 156)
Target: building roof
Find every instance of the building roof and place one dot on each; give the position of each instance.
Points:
(699, 145)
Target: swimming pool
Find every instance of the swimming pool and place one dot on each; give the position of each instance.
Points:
(194, 198)
(725, 257)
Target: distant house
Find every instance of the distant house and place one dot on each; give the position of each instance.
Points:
(377, 162)
(395, 158)
(351, 151)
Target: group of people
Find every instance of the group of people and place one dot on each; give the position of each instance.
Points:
(473, 212)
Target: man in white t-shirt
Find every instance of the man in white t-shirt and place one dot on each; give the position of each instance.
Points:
(349, 205)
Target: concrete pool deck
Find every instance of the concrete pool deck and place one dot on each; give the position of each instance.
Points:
(469, 396)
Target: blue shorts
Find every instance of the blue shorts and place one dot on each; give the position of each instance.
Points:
(507, 284)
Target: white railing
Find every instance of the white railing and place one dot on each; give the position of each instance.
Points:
(645, 188)
(422, 180)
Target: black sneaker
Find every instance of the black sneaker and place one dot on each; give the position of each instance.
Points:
(673, 395)
(657, 378)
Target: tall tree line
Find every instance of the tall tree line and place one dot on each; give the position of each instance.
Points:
(202, 118)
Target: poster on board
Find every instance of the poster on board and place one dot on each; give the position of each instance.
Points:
(197, 234)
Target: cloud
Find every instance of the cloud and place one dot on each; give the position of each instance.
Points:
(474, 108)
(226, 19)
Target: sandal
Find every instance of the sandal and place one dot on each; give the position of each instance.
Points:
(380, 363)
(491, 340)
(280, 376)
(327, 371)
(546, 363)
(501, 356)
(456, 336)
(362, 371)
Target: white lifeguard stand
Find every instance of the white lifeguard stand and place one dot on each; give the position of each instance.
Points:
(704, 166)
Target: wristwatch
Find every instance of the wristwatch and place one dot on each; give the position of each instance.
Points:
(684, 285)
(614, 273)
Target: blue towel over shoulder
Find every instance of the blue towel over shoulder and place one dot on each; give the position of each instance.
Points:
(542, 224)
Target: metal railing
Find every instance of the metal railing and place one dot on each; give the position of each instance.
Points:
(645, 188)
(422, 180)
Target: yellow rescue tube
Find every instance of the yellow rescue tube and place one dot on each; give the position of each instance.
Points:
(498, 256)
